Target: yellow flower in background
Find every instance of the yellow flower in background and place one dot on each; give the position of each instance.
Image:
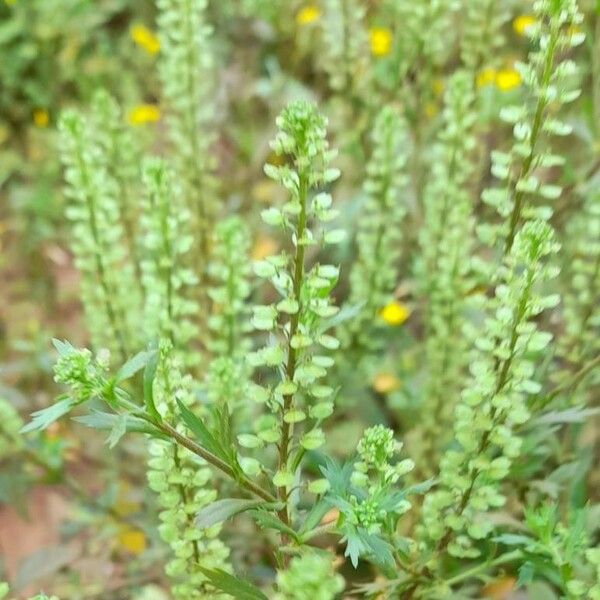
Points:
(385, 383)
(381, 41)
(486, 77)
(132, 540)
(143, 113)
(507, 79)
(41, 118)
(394, 313)
(145, 38)
(309, 14)
(437, 86)
(522, 23)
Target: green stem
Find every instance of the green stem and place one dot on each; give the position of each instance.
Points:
(519, 196)
(290, 369)
(571, 382)
(198, 450)
(481, 568)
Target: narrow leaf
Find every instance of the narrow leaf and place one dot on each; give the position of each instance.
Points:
(230, 584)
(118, 431)
(266, 520)
(221, 510)
(133, 365)
(106, 421)
(314, 517)
(149, 373)
(202, 434)
(45, 417)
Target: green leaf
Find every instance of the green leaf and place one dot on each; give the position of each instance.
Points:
(338, 476)
(221, 510)
(570, 415)
(149, 374)
(283, 478)
(347, 312)
(380, 552)
(45, 417)
(230, 584)
(318, 486)
(63, 348)
(526, 573)
(118, 431)
(420, 488)
(267, 520)
(202, 434)
(317, 512)
(106, 421)
(512, 539)
(133, 365)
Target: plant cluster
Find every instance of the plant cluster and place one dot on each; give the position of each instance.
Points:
(385, 377)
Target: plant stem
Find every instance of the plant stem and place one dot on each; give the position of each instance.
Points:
(519, 196)
(505, 558)
(210, 458)
(571, 382)
(290, 369)
(198, 450)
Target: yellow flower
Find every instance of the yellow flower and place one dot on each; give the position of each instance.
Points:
(132, 540)
(522, 23)
(384, 383)
(381, 41)
(41, 118)
(507, 79)
(143, 113)
(145, 38)
(437, 85)
(486, 77)
(394, 313)
(308, 14)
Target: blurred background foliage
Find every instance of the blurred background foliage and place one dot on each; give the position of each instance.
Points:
(54, 54)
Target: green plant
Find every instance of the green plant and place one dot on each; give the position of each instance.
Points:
(258, 386)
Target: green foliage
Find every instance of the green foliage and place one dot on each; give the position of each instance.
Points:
(180, 482)
(375, 271)
(230, 370)
(581, 341)
(310, 576)
(187, 75)
(345, 46)
(368, 499)
(547, 79)
(494, 401)
(10, 424)
(425, 36)
(482, 33)
(559, 551)
(167, 279)
(297, 321)
(229, 271)
(97, 239)
(443, 267)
